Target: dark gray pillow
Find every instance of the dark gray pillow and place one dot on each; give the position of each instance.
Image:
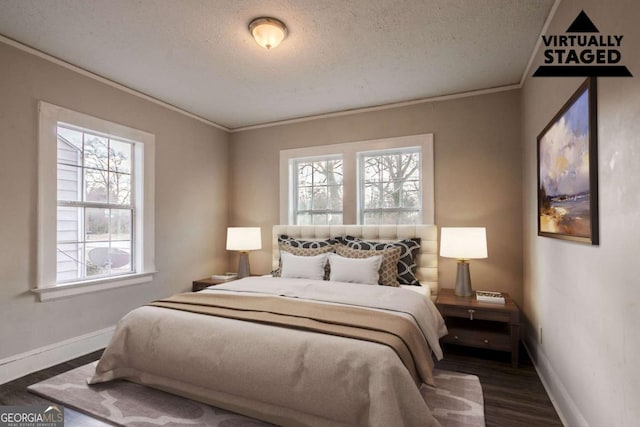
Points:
(407, 263)
(307, 244)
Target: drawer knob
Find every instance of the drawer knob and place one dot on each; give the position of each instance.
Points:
(471, 314)
(486, 341)
(455, 337)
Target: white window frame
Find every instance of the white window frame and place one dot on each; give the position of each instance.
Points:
(361, 183)
(47, 287)
(293, 185)
(349, 152)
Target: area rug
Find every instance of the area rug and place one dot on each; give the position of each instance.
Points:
(456, 401)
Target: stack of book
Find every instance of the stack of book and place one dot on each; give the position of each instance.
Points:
(490, 296)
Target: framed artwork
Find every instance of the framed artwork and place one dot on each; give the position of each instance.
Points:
(568, 170)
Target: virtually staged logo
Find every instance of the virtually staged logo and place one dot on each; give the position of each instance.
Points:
(582, 52)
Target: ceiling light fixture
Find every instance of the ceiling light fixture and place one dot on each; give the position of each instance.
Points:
(268, 32)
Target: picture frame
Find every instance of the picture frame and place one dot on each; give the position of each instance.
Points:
(568, 170)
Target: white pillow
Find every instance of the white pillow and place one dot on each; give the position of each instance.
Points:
(303, 267)
(354, 270)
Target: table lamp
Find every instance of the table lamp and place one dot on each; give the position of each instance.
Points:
(463, 243)
(244, 239)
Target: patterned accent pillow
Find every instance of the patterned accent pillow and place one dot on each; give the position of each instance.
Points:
(388, 273)
(308, 244)
(286, 247)
(406, 265)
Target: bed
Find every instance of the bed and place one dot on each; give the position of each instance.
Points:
(293, 351)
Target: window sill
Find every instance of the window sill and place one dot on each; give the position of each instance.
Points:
(79, 288)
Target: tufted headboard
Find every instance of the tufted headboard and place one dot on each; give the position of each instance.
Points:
(427, 259)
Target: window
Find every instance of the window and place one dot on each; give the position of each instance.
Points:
(95, 204)
(317, 189)
(385, 181)
(389, 186)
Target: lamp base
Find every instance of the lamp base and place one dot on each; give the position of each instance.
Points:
(463, 280)
(243, 265)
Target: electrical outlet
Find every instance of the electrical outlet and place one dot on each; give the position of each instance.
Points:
(540, 335)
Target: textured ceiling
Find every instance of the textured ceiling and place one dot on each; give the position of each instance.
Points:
(199, 56)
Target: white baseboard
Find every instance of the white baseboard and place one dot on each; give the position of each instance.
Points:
(566, 408)
(19, 365)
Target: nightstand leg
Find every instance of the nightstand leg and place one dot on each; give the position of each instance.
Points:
(515, 345)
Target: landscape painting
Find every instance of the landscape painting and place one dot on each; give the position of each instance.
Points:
(568, 170)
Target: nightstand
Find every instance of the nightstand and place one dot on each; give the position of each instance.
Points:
(199, 285)
(479, 324)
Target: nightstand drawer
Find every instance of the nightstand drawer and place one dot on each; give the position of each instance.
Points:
(481, 339)
(475, 313)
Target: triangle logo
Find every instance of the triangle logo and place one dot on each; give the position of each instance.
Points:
(572, 55)
(582, 24)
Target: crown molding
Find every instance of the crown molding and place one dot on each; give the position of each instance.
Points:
(545, 27)
(104, 80)
(379, 107)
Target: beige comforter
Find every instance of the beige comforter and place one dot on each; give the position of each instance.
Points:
(282, 375)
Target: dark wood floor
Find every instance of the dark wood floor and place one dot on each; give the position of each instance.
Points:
(512, 396)
(15, 392)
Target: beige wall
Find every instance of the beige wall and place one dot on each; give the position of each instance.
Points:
(477, 174)
(191, 201)
(586, 298)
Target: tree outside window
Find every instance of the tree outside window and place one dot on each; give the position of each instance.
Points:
(95, 206)
(317, 189)
(390, 190)
(386, 181)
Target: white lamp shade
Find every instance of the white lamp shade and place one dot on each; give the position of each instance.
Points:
(244, 239)
(463, 242)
